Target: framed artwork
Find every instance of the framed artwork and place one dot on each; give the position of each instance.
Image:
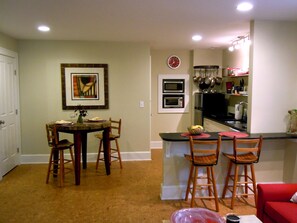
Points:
(84, 85)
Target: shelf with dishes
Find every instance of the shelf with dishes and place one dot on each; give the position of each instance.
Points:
(236, 72)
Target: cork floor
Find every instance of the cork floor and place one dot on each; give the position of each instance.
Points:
(127, 195)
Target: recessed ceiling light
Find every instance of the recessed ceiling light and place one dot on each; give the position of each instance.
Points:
(244, 6)
(43, 28)
(196, 37)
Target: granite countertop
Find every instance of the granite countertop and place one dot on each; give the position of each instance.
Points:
(176, 136)
(230, 121)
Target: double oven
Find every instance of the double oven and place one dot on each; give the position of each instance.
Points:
(173, 93)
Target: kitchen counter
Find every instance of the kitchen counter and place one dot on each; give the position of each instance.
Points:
(231, 122)
(278, 161)
(176, 136)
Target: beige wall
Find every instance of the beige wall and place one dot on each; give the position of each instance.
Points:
(237, 58)
(208, 57)
(8, 42)
(274, 75)
(40, 89)
(177, 122)
(168, 122)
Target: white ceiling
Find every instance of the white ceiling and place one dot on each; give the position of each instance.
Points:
(164, 24)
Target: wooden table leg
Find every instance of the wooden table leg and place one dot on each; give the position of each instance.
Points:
(77, 156)
(56, 162)
(106, 144)
(84, 146)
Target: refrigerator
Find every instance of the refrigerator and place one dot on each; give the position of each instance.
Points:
(212, 105)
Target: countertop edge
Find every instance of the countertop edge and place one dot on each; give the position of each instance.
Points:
(176, 136)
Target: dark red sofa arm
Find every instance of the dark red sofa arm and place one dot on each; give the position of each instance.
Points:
(273, 192)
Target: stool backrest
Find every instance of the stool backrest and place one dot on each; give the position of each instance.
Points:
(244, 146)
(205, 148)
(52, 136)
(116, 127)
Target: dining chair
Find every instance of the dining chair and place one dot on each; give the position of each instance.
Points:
(115, 133)
(57, 160)
(204, 154)
(246, 152)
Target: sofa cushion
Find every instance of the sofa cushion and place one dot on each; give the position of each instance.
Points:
(294, 198)
(285, 212)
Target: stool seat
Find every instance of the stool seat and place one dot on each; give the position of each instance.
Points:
(208, 160)
(242, 158)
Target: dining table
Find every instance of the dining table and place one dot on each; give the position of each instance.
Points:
(80, 132)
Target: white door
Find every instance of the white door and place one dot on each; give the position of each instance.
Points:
(9, 112)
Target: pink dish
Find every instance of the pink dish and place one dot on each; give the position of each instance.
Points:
(196, 215)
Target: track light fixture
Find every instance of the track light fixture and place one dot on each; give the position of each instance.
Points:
(239, 42)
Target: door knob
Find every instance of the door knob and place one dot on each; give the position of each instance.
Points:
(2, 122)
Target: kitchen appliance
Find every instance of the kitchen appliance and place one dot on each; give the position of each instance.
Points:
(173, 85)
(173, 101)
(229, 86)
(212, 105)
(238, 112)
(173, 93)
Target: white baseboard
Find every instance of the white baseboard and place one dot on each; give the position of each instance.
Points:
(91, 157)
(178, 192)
(156, 144)
(173, 192)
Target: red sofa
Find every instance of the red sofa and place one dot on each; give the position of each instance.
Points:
(274, 203)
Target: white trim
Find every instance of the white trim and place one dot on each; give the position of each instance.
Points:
(156, 144)
(9, 53)
(14, 55)
(177, 192)
(186, 77)
(91, 157)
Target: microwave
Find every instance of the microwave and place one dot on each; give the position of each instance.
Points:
(173, 85)
(173, 101)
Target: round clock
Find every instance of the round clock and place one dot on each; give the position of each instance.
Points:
(173, 61)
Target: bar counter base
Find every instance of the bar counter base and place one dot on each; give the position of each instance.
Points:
(277, 163)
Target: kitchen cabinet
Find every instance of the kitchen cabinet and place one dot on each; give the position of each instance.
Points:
(213, 126)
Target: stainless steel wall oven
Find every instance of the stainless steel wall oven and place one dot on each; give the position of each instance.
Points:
(173, 93)
(173, 85)
(173, 101)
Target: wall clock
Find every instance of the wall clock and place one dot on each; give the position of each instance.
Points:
(173, 61)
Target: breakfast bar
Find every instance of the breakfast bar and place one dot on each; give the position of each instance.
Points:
(277, 161)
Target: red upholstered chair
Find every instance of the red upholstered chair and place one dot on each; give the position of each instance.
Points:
(274, 204)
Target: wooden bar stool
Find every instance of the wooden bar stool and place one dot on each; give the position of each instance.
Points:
(246, 152)
(115, 134)
(204, 154)
(57, 161)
